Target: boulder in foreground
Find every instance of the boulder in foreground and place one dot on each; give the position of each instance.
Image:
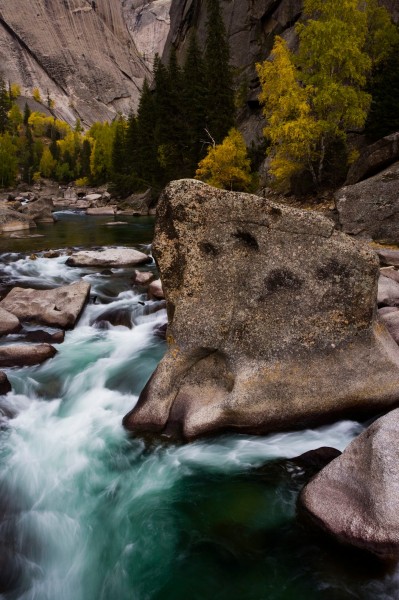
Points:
(112, 257)
(9, 323)
(22, 355)
(60, 307)
(271, 319)
(355, 498)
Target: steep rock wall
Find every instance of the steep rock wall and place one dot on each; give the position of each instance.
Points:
(78, 50)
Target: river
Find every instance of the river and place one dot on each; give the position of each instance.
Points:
(90, 513)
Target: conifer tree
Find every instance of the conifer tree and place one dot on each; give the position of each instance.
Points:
(147, 163)
(8, 160)
(194, 103)
(220, 93)
(4, 106)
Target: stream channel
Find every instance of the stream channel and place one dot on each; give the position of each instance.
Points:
(90, 513)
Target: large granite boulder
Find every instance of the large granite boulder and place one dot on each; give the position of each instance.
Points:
(271, 319)
(111, 257)
(11, 220)
(60, 307)
(41, 210)
(355, 498)
(374, 158)
(371, 208)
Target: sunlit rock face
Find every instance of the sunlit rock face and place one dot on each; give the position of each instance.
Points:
(79, 51)
(271, 319)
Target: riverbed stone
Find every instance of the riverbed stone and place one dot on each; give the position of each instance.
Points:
(142, 277)
(41, 211)
(9, 323)
(111, 257)
(271, 319)
(155, 291)
(12, 220)
(388, 257)
(60, 307)
(22, 355)
(5, 385)
(355, 498)
(388, 292)
(104, 211)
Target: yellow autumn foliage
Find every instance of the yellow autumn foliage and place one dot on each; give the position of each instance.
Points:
(227, 165)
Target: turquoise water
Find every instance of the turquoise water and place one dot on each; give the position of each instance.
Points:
(89, 513)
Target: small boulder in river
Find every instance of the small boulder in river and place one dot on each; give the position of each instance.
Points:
(111, 257)
(155, 290)
(271, 319)
(142, 277)
(5, 385)
(22, 355)
(40, 211)
(355, 498)
(9, 323)
(60, 307)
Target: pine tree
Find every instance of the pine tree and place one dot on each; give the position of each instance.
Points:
(119, 162)
(194, 99)
(27, 113)
(148, 169)
(220, 93)
(4, 106)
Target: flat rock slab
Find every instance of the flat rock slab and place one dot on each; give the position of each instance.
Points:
(9, 323)
(271, 319)
(60, 307)
(105, 211)
(25, 355)
(355, 498)
(118, 258)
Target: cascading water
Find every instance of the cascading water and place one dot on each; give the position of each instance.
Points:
(89, 513)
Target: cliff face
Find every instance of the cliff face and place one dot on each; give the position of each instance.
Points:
(78, 50)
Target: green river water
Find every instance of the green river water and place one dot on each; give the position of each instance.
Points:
(89, 513)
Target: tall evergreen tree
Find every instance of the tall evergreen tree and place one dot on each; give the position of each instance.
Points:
(194, 99)
(147, 163)
(119, 163)
(220, 93)
(4, 106)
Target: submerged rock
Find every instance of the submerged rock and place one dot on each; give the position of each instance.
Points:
(5, 385)
(112, 257)
(271, 319)
(355, 497)
(60, 307)
(9, 323)
(21, 355)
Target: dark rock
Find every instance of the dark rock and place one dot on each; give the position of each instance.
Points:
(60, 307)
(315, 460)
(142, 278)
(5, 385)
(137, 204)
(160, 331)
(52, 254)
(25, 355)
(355, 497)
(44, 337)
(9, 323)
(113, 317)
(271, 319)
(375, 158)
(371, 208)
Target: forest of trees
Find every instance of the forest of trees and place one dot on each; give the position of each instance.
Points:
(343, 78)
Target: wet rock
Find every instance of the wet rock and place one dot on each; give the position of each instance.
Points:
(113, 317)
(315, 460)
(155, 290)
(142, 278)
(271, 319)
(111, 257)
(388, 257)
(5, 385)
(355, 497)
(160, 331)
(371, 208)
(39, 336)
(137, 204)
(374, 158)
(52, 254)
(388, 292)
(60, 307)
(115, 223)
(9, 323)
(25, 355)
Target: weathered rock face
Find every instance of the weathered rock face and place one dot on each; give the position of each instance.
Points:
(112, 257)
(60, 307)
(80, 51)
(286, 337)
(40, 210)
(355, 497)
(374, 158)
(11, 220)
(371, 208)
